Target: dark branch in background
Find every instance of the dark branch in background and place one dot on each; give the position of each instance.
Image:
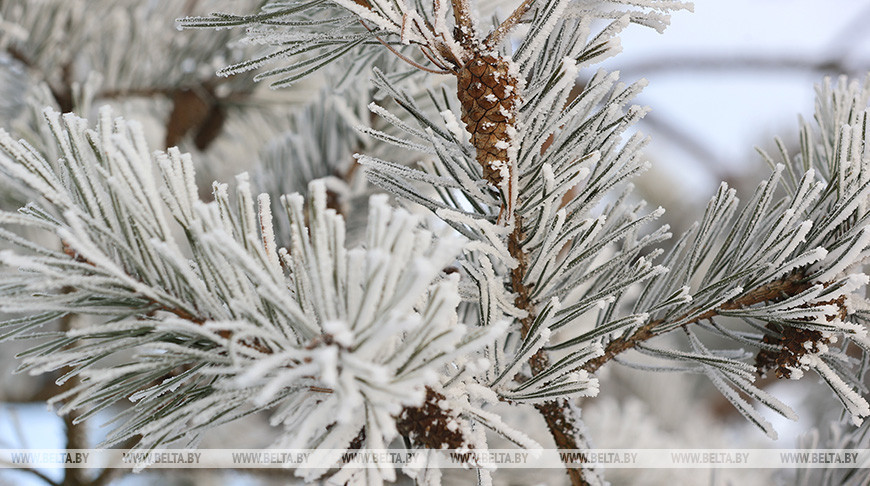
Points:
(741, 62)
(689, 142)
(842, 45)
(196, 108)
(847, 38)
(696, 146)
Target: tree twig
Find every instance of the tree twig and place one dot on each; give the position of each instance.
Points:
(76, 436)
(557, 414)
(788, 286)
(739, 62)
(462, 17)
(509, 23)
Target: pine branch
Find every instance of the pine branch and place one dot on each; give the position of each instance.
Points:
(555, 413)
(363, 333)
(352, 346)
(789, 286)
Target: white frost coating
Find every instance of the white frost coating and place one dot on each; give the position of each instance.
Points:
(340, 332)
(268, 233)
(493, 234)
(536, 44)
(846, 256)
(408, 18)
(549, 248)
(843, 213)
(855, 282)
(540, 231)
(539, 341)
(570, 67)
(807, 258)
(558, 93)
(742, 405)
(455, 126)
(603, 303)
(853, 401)
(476, 391)
(495, 423)
(549, 178)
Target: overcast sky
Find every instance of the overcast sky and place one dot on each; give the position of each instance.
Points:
(731, 111)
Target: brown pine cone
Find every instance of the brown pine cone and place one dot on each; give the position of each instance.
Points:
(490, 97)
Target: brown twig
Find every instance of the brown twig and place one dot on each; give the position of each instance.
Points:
(402, 56)
(76, 436)
(788, 286)
(557, 414)
(462, 17)
(508, 24)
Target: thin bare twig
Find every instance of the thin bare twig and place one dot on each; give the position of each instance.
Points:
(462, 17)
(402, 56)
(508, 24)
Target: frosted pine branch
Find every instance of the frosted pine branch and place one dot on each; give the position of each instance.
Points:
(543, 268)
(361, 333)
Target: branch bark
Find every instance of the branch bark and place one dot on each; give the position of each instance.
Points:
(509, 23)
(787, 286)
(76, 436)
(558, 415)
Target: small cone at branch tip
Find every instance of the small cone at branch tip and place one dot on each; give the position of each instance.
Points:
(490, 98)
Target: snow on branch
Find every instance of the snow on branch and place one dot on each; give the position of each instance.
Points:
(200, 318)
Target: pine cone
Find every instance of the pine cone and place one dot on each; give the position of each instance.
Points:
(490, 97)
(430, 425)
